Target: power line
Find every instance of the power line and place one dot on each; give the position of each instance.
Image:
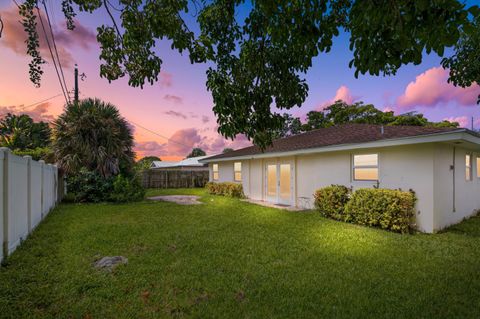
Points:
(158, 134)
(33, 104)
(51, 53)
(55, 47)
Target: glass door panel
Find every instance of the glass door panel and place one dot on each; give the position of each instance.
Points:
(285, 184)
(272, 181)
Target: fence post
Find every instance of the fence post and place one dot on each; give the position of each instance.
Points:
(29, 192)
(42, 162)
(6, 159)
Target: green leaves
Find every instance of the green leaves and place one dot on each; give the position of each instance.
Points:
(260, 51)
(20, 132)
(92, 135)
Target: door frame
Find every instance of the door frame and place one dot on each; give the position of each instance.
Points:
(277, 198)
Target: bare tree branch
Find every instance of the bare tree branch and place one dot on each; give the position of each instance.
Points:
(1, 26)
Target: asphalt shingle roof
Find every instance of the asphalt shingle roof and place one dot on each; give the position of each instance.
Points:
(337, 135)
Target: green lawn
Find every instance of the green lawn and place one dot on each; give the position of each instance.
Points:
(230, 259)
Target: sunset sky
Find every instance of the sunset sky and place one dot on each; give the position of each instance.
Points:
(179, 108)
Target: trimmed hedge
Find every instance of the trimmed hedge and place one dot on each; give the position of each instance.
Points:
(225, 189)
(331, 201)
(385, 208)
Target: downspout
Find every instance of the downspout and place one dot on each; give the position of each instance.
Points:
(453, 181)
(295, 180)
(250, 178)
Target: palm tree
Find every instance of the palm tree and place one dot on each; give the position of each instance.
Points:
(92, 134)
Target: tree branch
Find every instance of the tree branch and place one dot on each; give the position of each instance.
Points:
(1, 26)
(105, 3)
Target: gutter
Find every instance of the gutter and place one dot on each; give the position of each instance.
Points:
(460, 134)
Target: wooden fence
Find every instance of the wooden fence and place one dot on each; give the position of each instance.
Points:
(155, 178)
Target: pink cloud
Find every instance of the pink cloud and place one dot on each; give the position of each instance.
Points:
(150, 147)
(431, 89)
(173, 98)
(343, 93)
(165, 79)
(176, 114)
(38, 113)
(464, 121)
(14, 37)
(183, 141)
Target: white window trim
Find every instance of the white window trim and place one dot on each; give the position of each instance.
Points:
(235, 172)
(365, 166)
(215, 171)
(477, 160)
(469, 165)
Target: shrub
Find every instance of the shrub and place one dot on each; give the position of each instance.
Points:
(127, 190)
(384, 208)
(39, 153)
(331, 201)
(225, 189)
(88, 186)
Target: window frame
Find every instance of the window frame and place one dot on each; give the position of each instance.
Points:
(235, 172)
(215, 165)
(469, 167)
(477, 165)
(354, 167)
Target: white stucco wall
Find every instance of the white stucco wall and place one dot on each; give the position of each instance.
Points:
(405, 167)
(457, 200)
(424, 168)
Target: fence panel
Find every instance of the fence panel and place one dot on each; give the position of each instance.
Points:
(17, 183)
(35, 193)
(28, 191)
(155, 178)
(2, 202)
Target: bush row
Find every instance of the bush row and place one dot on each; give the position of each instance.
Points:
(225, 189)
(385, 208)
(89, 186)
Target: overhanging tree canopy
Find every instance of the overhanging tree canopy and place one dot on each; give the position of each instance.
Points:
(260, 62)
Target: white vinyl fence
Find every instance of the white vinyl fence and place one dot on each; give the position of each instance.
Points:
(28, 191)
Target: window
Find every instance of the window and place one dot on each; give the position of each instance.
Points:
(365, 167)
(237, 168)
(478, 165)
(468, 167)
(215, 172)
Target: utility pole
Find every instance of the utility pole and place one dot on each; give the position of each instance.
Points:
(472, 124)
(76, 85)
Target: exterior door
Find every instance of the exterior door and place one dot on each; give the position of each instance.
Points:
(285, 184)
(271, 182)
(279, 182)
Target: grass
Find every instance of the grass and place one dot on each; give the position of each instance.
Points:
(228, 258)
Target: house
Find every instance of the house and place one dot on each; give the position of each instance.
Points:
(440, 164)
(188, 164)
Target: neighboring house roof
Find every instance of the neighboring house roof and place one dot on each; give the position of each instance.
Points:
(348, 134)
(192, 162)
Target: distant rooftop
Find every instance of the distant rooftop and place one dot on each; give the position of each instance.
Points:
(191, 162)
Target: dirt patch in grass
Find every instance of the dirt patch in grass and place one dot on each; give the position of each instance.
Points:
(178, 199)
